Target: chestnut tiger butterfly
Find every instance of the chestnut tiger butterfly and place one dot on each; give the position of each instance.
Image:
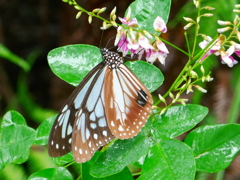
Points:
(110, 102)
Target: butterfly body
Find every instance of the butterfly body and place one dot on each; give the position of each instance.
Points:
(110, 102)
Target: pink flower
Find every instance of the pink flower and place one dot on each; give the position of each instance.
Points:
(131, 23)
(130, 40)
(159, 25)
(160, 53)
(215, 49)
(144, 42)
(227, 57)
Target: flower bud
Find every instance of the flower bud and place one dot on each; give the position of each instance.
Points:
(90, 19)
(193, 74)
(196, 3)
(96, 10)
(78, 14)
(171, 95)
(163, 111)
(188, 19)
(113, 11)
(202, 69)
(207, 15)
(189, 89)
(237, 5)
(236, 10)
(77, 8)
(222, 30)
(187, 26)
(224, 23)
(162, 98)
(208, 8)
(200, 89)
(102, 10)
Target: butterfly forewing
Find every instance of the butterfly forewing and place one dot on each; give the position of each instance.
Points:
(91, 130)
(60, 139)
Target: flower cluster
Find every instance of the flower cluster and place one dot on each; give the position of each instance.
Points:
(223, 42)
(129, 40)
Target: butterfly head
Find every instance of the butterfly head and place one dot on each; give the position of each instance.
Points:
(112, 59)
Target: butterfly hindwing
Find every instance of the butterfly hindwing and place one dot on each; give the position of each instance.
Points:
(60, 139)
(128, 102)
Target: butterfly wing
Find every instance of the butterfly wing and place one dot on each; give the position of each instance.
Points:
(90, 130)
(60, 139)
(127, 102)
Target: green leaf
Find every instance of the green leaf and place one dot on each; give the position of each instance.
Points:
(214, 146)
(13, 117)
(15, 139)
(119, 154)
(147, 11)
(169, 159)
(150, 75)
(7, 54)
(177, 120)
(72, 62)
(43, 131)
(125, 173)
(51, 174)
(62, 160)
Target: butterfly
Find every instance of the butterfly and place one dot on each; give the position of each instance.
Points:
(110, 102)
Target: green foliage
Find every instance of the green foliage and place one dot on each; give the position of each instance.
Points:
(7, 54)
(52, 174)
(65, 60)
(214, 146)
(147, 11)
(147, 73)
(16, 139)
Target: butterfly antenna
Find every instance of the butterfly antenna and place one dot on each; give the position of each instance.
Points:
(109, 42)
(100, 43)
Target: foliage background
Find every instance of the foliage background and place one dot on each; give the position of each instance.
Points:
(30, 29)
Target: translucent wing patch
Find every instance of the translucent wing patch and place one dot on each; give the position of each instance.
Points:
(127, 103)
(60, 139)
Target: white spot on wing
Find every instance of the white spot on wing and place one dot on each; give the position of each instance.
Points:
(104, 133)
(112, 123)
(102, 122)
(69, 130)
(87, 133)
(92, 116)
(65, 122)
(99, 110)
(65, 108)
(70, 140)
(93, 125)
(79, 98)
(82, 127)
(80, 151)
(95, 136)
(120, 128)
(93, 96)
